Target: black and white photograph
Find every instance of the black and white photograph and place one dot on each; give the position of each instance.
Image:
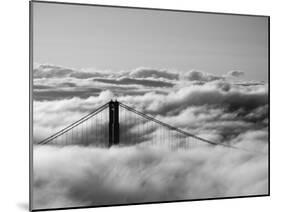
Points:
(137, 106)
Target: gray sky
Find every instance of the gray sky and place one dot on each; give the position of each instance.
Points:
(124, 39)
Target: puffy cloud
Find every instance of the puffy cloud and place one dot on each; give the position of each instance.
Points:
(77, 176)
(195, 75)
(256, 140)
(235, 73)
(153, 73)
(208, 94)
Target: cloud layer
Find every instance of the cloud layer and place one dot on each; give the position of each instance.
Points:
(218, 108)
(77, 176)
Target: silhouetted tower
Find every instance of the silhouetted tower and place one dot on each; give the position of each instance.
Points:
(113, 123)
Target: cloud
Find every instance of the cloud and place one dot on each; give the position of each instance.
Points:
(251, 83)
(49, 71)
(153, 73)
(208, 94)
(55, 82)
(130, 81)
(235, 73)
(213, 107)
(195, 75)
(256, 140)
(52, 71)
(206, 109)
(77, 176)
(56, 94)
(41, 87)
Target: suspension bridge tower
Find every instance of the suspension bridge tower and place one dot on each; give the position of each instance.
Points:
(113, 123)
